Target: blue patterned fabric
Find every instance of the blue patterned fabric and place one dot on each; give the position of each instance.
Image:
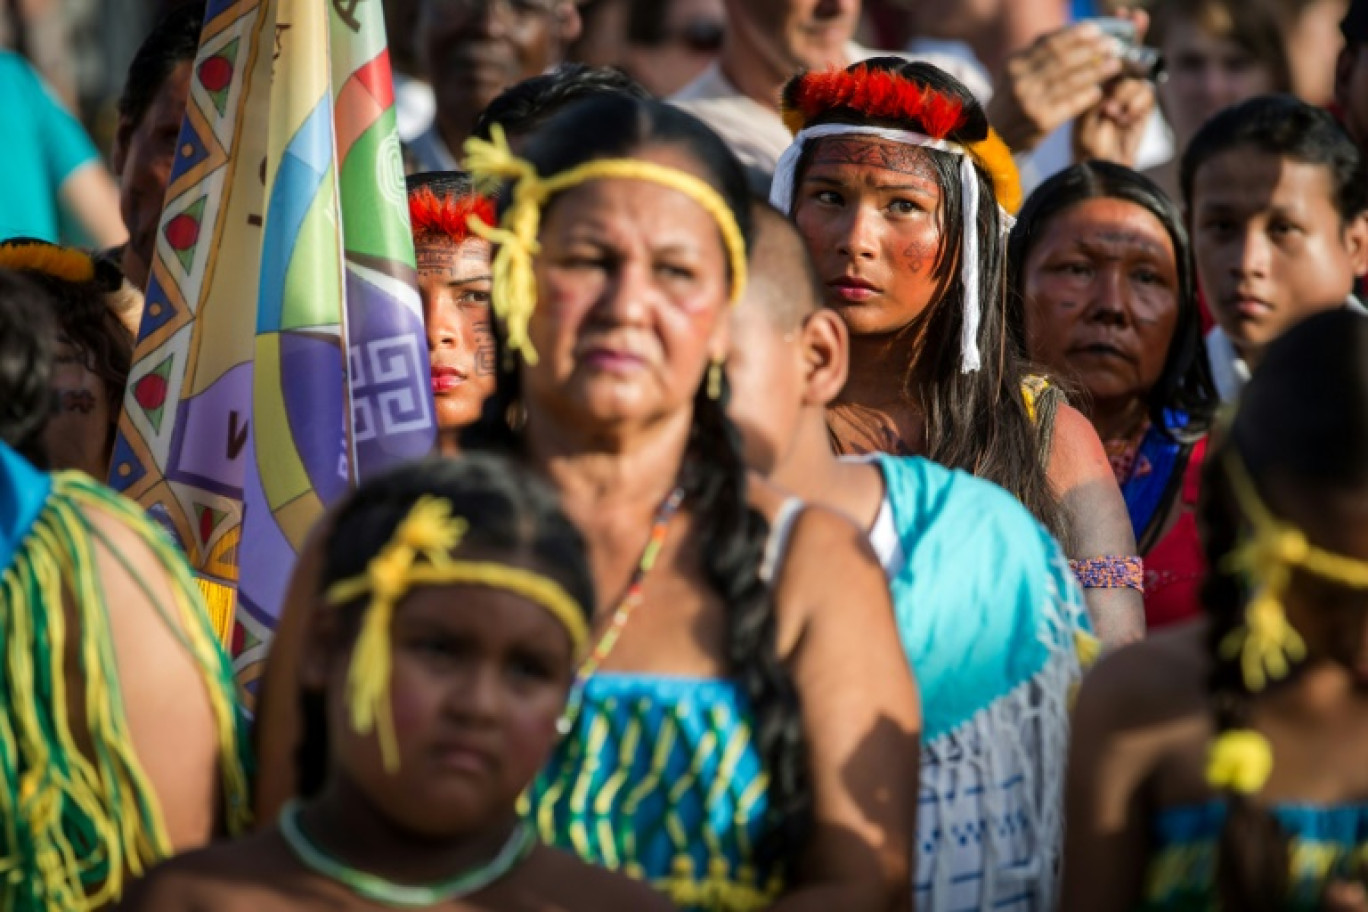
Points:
(1324, 842)
(989, 615)
(1144, 492)
(660, 779)
(23, 491)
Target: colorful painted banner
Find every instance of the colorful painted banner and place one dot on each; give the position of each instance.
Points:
(281, 356)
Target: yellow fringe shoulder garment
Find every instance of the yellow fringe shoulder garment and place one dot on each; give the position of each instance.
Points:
(74, 823)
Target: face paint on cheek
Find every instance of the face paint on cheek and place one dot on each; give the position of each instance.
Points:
(919, 256)
(484, 349)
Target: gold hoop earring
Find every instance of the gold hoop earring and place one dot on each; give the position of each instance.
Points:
(715, 379)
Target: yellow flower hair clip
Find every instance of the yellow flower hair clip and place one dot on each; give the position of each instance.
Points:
(1240, 761)
(419, 554)
(1266, 644)
(515, 285)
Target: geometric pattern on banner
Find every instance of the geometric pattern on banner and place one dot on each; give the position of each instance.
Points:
(216, 74)
(383, 374)
(182, 232)
(149, 392)
(127, 468)
(221, 559)
(213, 88)
(167, 363)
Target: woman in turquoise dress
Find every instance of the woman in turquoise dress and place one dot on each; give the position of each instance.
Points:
(726, 741)
(1220, 764)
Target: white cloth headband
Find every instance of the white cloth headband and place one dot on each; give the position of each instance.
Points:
(781, 197)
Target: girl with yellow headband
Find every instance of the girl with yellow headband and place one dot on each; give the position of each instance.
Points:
(1221, 765)
(716, 726)
(452, 612)
(904, 194)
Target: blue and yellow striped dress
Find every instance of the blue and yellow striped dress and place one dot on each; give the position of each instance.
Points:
(1325, 843)
(660, 779)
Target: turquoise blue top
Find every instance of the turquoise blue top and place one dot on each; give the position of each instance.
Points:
(660, 779)
(974, 588)
(1326, 842)
(43, 144)
(23, 491)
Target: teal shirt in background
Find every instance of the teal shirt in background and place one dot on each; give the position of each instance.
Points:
(41, 144)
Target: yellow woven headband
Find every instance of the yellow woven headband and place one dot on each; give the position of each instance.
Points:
(1266, 556)
(515, 288)
(428, 531)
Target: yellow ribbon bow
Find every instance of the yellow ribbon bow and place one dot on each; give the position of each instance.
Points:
(1240, 760)
(1266, 644)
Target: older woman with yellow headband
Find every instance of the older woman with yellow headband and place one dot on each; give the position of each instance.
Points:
(1222, 765)
(716, 726)
(904, 194)
(452, 613)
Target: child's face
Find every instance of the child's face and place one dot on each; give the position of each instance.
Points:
(480, 677)
(1270, 247)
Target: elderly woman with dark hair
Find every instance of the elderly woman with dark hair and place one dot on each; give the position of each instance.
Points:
(1104, 296)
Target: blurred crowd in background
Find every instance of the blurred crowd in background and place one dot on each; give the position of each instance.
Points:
(1026, 59)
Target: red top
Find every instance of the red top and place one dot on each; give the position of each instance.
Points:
(1174, 567)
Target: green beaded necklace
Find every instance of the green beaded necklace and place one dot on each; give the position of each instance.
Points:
(401, 896)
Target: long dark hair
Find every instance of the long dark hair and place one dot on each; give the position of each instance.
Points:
(1185, 383)
(713, 473)
(28, 342)
(513, 516)
(974, 421)
(1304, 418)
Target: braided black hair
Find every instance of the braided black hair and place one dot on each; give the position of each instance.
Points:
(28, 340)
(512, 515)
(714, 473)
(974, 421)
(1304, 418)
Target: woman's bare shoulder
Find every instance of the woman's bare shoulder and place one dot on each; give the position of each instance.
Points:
(554, 880)
(1076, 455)
(1161, 678)
(247, 875)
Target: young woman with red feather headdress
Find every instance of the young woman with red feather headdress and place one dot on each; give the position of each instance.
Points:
(904, 194)
(455, 283)
(901, 192)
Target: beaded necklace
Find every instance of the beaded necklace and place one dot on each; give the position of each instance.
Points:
(402, 896)
(630, 602)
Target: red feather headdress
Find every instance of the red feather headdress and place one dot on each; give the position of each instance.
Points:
(877, 94)
(883, 95)
(448, 215)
